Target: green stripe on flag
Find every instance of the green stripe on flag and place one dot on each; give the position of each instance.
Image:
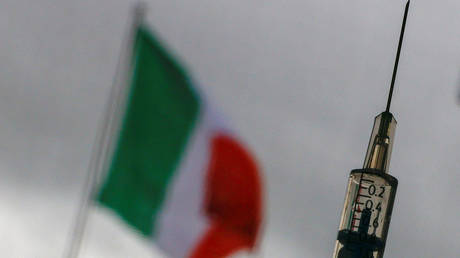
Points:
(161, 112)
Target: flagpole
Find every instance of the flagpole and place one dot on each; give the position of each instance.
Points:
(104, 141)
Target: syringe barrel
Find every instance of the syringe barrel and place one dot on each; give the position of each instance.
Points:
(366, 214)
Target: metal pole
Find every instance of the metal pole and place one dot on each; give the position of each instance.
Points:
(107, 130)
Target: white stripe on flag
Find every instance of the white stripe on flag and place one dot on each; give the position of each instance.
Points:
(183, 223)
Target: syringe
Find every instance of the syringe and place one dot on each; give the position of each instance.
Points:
(371, 190)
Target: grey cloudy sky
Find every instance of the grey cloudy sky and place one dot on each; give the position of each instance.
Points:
(301, 81)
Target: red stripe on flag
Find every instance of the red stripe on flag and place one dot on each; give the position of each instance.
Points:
(233, 200)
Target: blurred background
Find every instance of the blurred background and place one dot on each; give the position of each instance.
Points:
(301, 80)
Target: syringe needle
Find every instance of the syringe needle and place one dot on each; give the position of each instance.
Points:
(395, 69)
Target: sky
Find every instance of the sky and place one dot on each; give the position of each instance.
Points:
(300, 80)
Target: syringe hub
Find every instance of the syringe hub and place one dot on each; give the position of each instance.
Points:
(381, 142)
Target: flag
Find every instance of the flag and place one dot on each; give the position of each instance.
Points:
(178, 174)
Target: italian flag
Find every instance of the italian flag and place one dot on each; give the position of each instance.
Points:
(178, 175)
